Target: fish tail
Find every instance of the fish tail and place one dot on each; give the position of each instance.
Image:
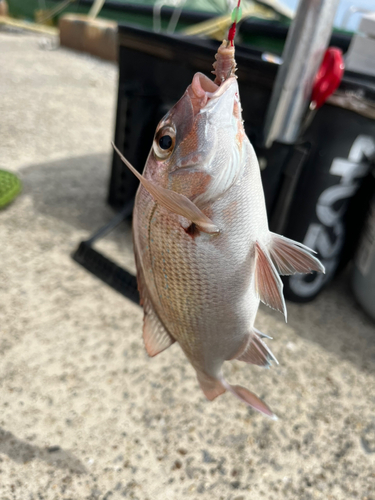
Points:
(248, 398)
(213, 387)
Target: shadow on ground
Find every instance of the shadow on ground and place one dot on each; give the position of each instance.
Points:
(22, 452)
(73, 190)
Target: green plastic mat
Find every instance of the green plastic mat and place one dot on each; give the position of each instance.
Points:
(10, 187)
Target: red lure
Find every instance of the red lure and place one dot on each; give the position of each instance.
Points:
(232, 29)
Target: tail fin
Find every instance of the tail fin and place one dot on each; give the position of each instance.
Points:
(249, 398)
(213, 387)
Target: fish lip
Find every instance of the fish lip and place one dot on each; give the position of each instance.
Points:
(206, 89)
(224, 87)
(202, 85)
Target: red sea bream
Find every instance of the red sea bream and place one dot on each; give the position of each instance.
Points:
(204, 254)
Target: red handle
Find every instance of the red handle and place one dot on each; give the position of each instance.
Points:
(328, 77)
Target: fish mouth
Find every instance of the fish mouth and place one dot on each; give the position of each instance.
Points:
(202, 85)
(205, 89)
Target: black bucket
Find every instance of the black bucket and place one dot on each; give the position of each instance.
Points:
(332, 195)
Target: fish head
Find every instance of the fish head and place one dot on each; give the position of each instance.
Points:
(197, 146)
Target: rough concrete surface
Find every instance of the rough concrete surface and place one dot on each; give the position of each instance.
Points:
(85, 414)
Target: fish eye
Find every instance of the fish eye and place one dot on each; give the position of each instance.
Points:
(164, 142)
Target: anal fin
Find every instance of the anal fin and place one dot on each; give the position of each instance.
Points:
(256, 351)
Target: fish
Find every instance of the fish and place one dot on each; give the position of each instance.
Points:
(204, 254)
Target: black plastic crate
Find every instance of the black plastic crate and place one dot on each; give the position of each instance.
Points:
(155, 70)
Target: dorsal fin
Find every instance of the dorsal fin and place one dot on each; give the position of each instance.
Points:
(268, 284)
(155, 336)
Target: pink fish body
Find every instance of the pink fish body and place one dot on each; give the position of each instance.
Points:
(204, 254)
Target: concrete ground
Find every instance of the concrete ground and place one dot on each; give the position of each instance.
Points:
(85, 414)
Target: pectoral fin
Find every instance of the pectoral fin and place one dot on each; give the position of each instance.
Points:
(268, 284)
(175, 202)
